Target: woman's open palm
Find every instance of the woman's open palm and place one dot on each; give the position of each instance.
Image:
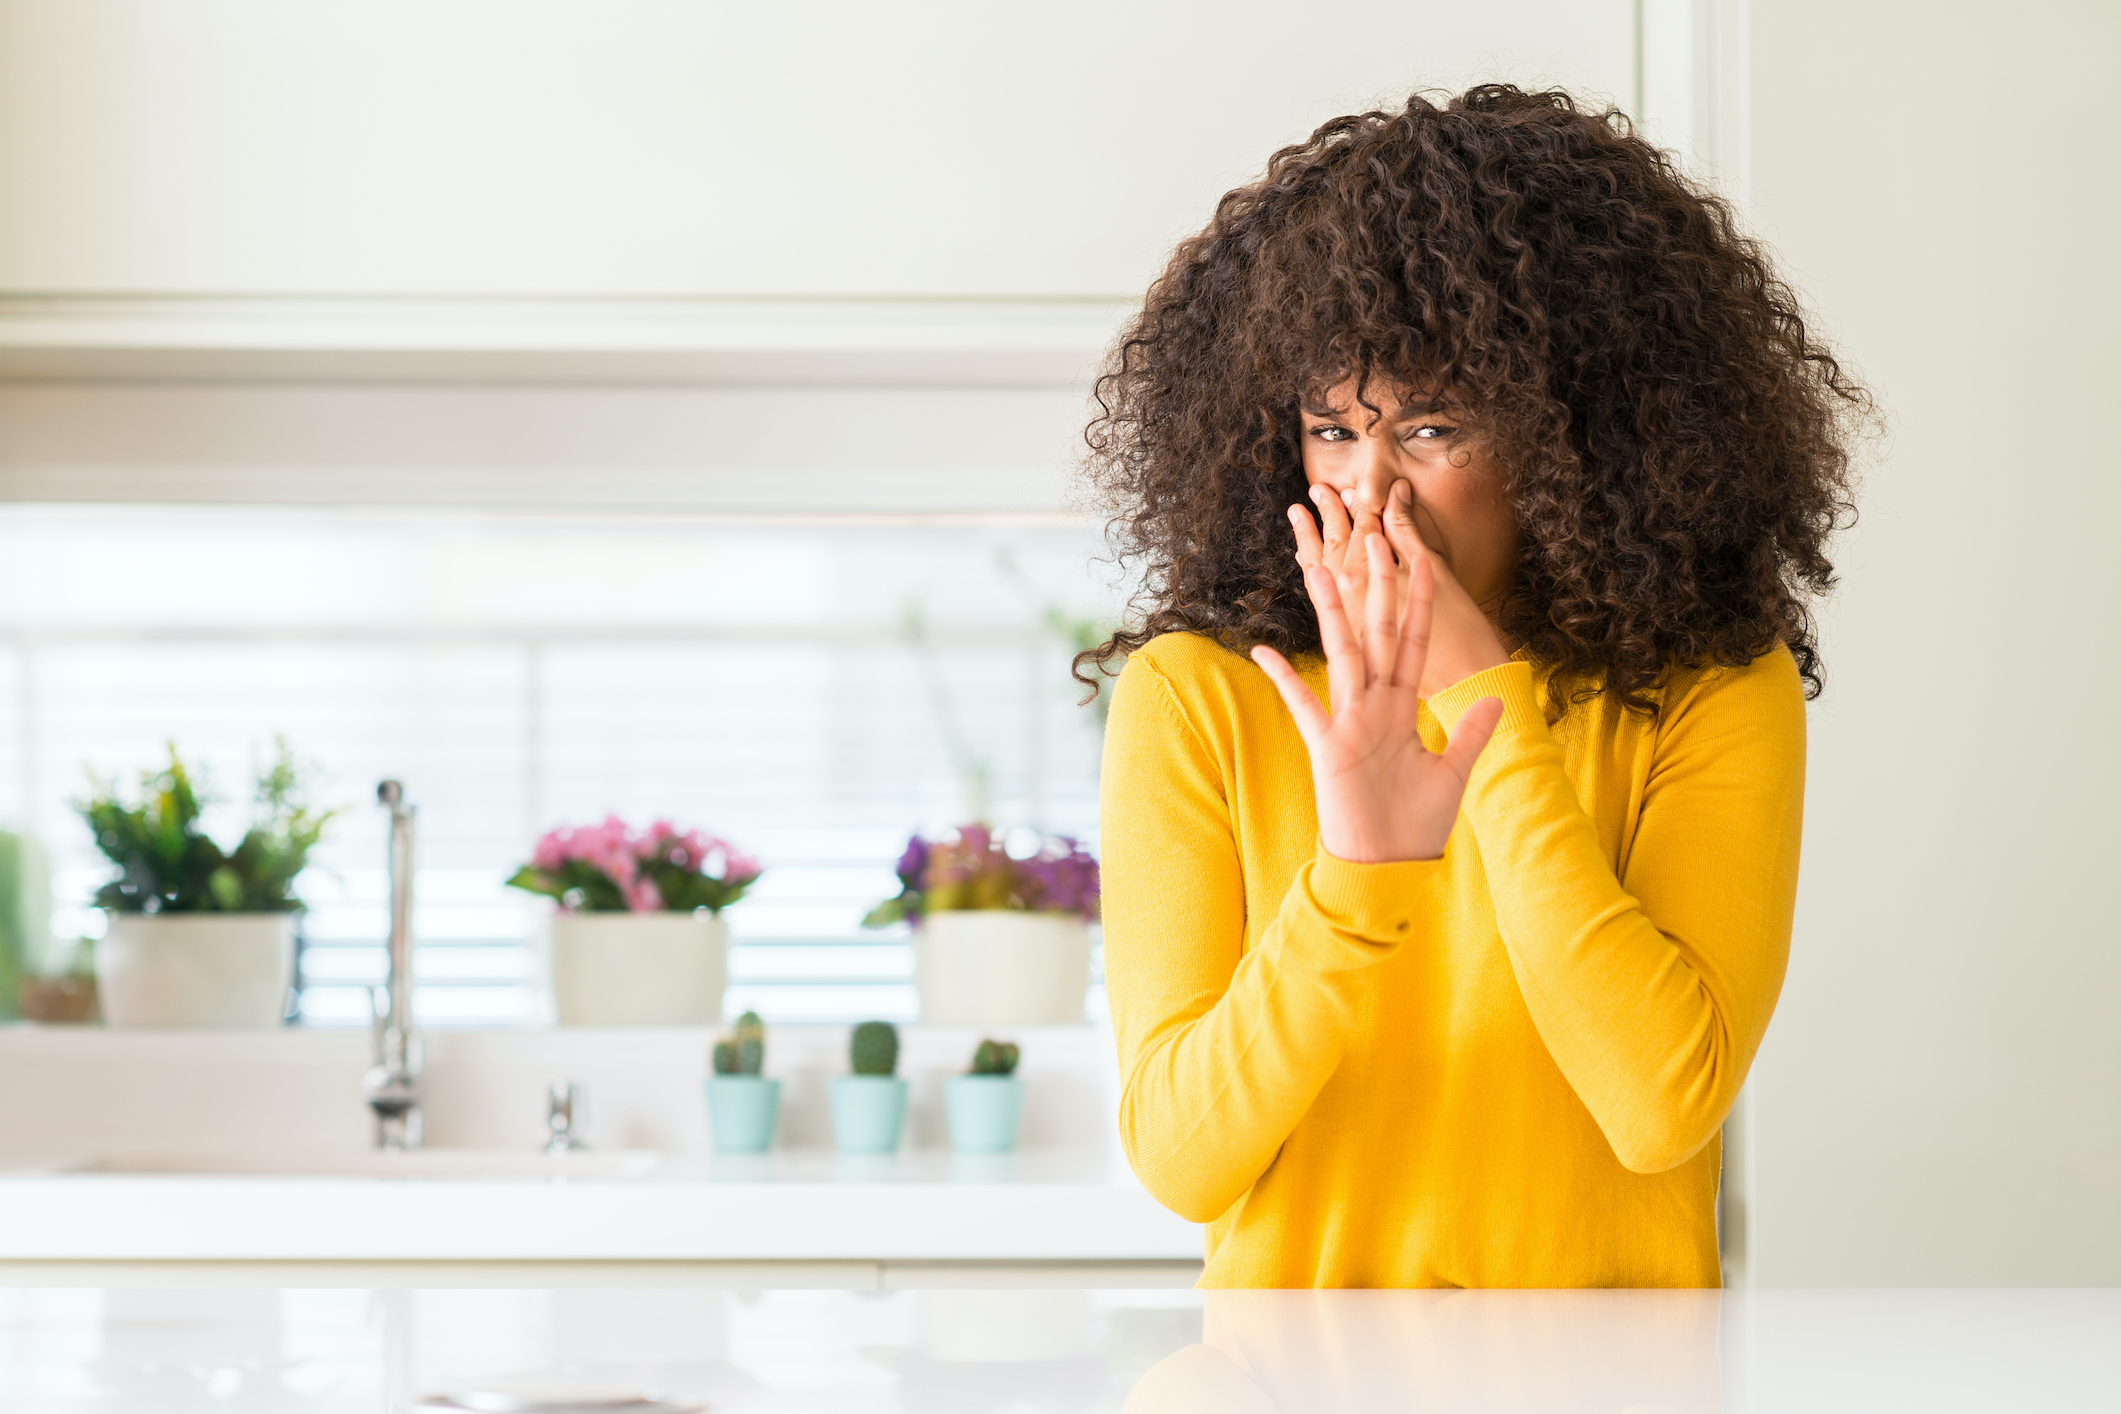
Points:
(1382, 796)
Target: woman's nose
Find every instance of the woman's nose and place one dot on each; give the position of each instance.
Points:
(1374, 474)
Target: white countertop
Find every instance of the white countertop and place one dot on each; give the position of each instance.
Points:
(1037, 1205)
(1056, 1352)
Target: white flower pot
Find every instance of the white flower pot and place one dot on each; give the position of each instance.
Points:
(196, 969)
(636, 969)
(1001, 967)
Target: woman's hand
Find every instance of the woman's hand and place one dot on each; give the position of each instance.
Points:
(1464, 642)
(1382, 796)
(1343, 521)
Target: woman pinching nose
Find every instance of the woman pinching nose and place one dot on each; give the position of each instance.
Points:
(1382, 795)
(1450, 868)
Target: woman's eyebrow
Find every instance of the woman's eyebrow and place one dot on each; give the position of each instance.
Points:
(1419, 407)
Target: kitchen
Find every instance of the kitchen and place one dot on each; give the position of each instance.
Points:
(671, 412)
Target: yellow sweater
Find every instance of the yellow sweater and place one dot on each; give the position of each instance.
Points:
(1506, 1067)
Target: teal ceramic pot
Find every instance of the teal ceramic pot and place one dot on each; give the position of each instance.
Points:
(866, 1113)
(984, 1112)
(742, 1110)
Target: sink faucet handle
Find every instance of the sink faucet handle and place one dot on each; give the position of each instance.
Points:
(563, 1106)
(393, 1082)
(393, 1044)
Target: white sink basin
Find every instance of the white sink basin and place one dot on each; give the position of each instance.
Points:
(384, 1163)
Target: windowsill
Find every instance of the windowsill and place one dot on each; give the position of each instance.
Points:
(79, 1090)
(793, 1206)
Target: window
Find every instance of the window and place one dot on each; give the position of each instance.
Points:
(810, 689)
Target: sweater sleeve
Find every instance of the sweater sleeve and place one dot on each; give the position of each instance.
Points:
(1651, 987)
(1222, 1049)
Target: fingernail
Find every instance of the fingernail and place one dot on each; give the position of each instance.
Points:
(1347, 498)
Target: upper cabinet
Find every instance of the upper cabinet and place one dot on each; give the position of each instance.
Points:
(941, 151)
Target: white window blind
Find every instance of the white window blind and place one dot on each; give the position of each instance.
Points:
(812, 690)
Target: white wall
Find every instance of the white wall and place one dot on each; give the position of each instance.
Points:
(950, 148)
(1936, 1102)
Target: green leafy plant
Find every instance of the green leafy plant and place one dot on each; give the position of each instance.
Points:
(743, 1053)
(873, 1049)
(995, 1058)
(167, 864)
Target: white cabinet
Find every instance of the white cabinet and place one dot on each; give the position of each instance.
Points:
(628, 148)
(933, 195)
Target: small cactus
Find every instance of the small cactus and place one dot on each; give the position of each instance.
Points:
(994, 1058)
(745, 1052)
(873, 1049)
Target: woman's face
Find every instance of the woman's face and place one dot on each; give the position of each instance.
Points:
(1459, 507)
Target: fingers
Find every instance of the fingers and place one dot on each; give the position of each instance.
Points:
(1366, 524)
(1312, 722)
(1344, 554)
(1474, 730)
(1399, 506)
(1415, 623)
(1310, 549)
(1345, 673)
(1399, 525)
(1396, 523)
(1333, 519)
(1380, 609)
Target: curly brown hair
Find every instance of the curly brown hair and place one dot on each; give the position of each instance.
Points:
(1676, 445)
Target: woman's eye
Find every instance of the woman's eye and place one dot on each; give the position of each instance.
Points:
(1433, 432)
(1331, 434)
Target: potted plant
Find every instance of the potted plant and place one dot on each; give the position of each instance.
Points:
(869, 1105)
(742, 1104)
(199, 935)
(63, 989)
(637, 939)
(986, 1104)
(998, 939)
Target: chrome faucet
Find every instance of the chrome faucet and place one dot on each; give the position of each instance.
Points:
(563, 1106)
(393, 1082)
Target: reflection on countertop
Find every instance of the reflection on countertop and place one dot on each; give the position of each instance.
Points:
(1051, 1352)
(1547, 1351)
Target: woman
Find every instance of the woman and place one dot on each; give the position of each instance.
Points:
(1440, 961)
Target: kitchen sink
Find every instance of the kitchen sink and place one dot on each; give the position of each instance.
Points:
(382, 1163)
